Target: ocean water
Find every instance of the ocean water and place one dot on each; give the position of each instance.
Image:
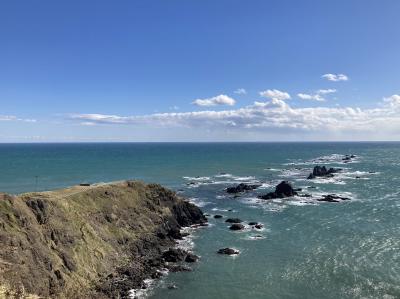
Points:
(307, 249)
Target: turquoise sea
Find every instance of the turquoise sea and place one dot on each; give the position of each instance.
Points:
(307, 249)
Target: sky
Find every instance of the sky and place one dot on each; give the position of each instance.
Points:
(210, 70)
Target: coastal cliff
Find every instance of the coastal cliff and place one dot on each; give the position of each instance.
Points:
(88, 241)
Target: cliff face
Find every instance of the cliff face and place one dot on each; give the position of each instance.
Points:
(88, 242)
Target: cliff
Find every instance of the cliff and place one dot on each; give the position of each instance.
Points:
(88, 242)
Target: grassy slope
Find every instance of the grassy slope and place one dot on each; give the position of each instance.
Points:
(61, 243)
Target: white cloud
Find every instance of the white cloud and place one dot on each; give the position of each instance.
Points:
(274, 116)
(326, 91)
(14, 118)
(275, 94)
(335, 77)
(317, 96)
(312, 97)
(240, 91)
(214, 101)
(393, 101)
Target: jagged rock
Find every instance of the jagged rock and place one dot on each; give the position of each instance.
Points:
(259, 226)
(228, 251)
(236, 226)
(174, 255)
(233, 220)
(282, 190)
(322, 171)
(241, 188)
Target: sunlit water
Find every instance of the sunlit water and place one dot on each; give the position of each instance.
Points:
(307, 249)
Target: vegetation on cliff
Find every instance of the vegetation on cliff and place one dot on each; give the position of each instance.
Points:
(88, 242)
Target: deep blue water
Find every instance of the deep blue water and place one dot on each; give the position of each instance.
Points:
(308, 249)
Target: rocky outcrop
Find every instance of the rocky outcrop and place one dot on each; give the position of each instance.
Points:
(236, 226)
(241, 188)
(282, 190)
(228, 251)
(348, 158)
(322, 171)
(91, 241)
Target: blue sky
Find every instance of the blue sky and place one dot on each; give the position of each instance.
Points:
(168, 70)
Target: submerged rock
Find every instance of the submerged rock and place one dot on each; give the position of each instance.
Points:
(228, 251)
(233, 220)
(348, 158)
(282, 190)
(322, 171)
(332, 198)
(218, 216)
(242, 188)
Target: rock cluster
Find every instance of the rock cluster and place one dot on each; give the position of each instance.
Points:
(322, 171)
(282, 190)
(241, 188)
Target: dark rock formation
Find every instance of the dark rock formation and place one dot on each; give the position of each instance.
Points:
(218, 216)
(259, 226)
(253, 223)
(228, 251)
(282, 190)
(233, 220)
(174, 255)
(348, 158)
(241, 188)
(332, 198)
(322, 171)
(191, 258)
(236, 226)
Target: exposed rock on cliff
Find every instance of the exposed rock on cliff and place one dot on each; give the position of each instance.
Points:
(89, 242)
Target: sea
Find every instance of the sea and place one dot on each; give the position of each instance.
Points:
(306, 248)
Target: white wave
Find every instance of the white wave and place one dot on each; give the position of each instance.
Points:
(272, 169)
(197, 178)
(223, 175)
(245, 178)
(267, 185)
(255, 237)
(328, 159)
(200, 203)
(142, 293)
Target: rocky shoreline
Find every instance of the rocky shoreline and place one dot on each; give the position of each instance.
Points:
(92, 242)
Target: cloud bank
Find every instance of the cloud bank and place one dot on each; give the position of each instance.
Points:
(14, 118)
(275, 115)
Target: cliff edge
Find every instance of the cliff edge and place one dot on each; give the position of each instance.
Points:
(88, 242)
